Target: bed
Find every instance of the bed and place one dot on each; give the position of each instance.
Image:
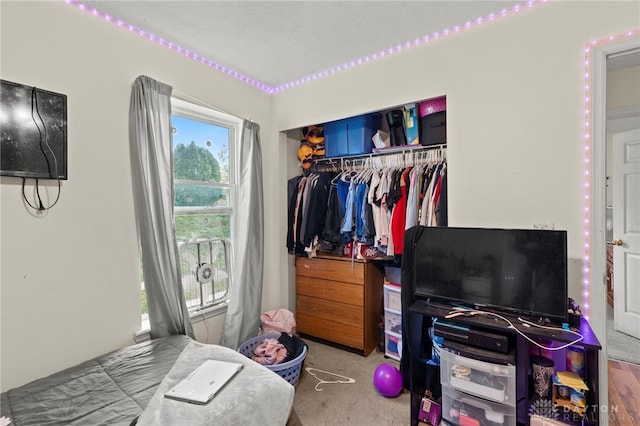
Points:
(127, 387)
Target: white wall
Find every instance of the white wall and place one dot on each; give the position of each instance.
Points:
(515, 112)
(515, 107)
(70, 277)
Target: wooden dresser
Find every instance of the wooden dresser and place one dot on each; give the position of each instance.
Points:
(339, 301)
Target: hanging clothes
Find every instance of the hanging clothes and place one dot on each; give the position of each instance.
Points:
(316, 213)
(333, 220)
(292, 194)
(307, 208)
(412, 198)
(379, 216)
(365, 207)
(346, 191)
(399, 213)
(441, 209)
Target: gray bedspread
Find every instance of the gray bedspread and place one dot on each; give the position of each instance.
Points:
(129, 384)
(255, 396)
(112, 389)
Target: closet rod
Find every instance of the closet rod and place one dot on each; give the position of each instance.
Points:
(353, 159)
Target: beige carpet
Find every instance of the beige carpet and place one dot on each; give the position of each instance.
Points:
(355, 403)
(620, 346)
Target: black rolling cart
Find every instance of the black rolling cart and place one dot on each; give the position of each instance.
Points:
(518, 397)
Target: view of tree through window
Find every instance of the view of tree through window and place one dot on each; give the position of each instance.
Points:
(201, 178)
(203, 204)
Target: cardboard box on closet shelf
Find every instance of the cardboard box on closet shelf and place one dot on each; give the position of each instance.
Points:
(411, 124)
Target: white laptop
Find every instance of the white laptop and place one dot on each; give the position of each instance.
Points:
(204, 382)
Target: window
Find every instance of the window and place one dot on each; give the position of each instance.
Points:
(204, 201)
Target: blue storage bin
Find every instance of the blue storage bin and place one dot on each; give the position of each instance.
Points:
(351, 136)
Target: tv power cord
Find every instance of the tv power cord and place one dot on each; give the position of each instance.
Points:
(462, 312)
(44, 140)
(527, 323)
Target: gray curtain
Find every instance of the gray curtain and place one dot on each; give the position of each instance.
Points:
(242, 319)
(152, 172)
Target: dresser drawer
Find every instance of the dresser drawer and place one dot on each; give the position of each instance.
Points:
(331, 331)
(341, 313)
(351, 294)
(331, 269)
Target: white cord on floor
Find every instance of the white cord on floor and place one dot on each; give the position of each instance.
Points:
(346, 380)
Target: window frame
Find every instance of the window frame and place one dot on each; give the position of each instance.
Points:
(193, 111)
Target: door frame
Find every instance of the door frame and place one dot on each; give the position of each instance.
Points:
(623, 320)
(595, 260)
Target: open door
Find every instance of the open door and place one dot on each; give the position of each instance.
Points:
(626, 232)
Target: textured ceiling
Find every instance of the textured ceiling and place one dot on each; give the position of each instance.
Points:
(274, 42)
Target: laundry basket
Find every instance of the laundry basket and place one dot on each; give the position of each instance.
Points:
(290, 370)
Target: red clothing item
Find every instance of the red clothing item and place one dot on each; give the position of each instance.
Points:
(399, 214)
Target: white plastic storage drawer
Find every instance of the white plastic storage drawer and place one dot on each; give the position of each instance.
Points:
(393, 321)
(460, 408)
(392, 298)
(392, 345)
(490, 381)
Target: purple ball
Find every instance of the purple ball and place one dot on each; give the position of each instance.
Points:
(387, 380)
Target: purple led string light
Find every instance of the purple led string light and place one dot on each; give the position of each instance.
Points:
(320, 74)
(170, 45)
(586, 260)
(410, 44)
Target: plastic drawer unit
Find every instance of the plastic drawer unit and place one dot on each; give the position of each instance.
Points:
(392, 298)
(392, 345)
(393, 321)
(463, 409)
(490, 381)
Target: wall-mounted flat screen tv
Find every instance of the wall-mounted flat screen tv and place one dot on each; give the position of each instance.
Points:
(518, 270)
(33, 132)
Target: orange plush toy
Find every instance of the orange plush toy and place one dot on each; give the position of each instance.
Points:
(305, 155)
(311, 145)
(314, 136)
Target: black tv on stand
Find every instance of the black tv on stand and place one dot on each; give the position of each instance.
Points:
(515, 271)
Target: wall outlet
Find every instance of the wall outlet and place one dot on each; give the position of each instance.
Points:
(544, 225)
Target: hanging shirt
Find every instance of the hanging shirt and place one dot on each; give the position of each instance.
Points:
(369, 231)
(399, 214)
(316, 213)
(348, 219)
(360, 193)
(333, 219)
(412, 198)
(442, 207)
(292, 197)
(297, 213)
(376, 210)
(424, 211)
(306, 201)
(435, 196)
